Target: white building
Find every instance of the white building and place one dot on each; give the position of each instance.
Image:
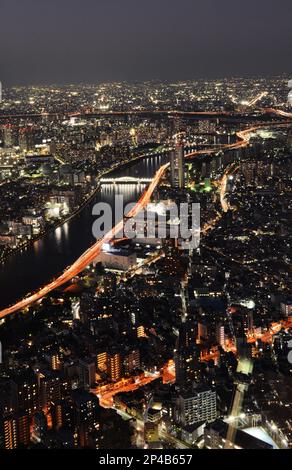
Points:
(286, 307)
(196, 406)
(120, 260)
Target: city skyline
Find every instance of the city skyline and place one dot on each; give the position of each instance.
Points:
(145, 229)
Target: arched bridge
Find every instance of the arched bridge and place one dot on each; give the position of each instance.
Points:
(125, 180)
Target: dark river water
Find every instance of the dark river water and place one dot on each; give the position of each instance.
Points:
(46, 258)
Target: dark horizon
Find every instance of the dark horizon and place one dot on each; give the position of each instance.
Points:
(97, 41)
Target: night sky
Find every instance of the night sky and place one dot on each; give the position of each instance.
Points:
(70, 41)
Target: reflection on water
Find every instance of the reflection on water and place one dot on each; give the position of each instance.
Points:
(61, 235)
(58, 234)
(48, 257)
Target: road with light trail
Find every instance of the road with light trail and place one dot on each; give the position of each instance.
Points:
(89, 255)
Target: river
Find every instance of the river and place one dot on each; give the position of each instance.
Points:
(43, 260)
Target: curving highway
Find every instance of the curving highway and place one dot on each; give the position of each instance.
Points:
(89, 255)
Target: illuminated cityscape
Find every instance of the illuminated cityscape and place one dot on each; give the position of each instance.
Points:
(151, 341)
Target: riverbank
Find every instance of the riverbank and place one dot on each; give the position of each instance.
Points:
(59, 223)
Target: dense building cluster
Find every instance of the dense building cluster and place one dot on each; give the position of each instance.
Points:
(169, 347)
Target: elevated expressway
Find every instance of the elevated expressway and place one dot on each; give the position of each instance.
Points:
(148, 113)
(91, 253)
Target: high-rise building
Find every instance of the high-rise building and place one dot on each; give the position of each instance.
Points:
(194, 406)
(86, 415)
(243, 320)
(8, 136)
(286, 307)
(53, 387)
(141, 332)
(15, 430)
(132, 361)
(62, 413)
(75, 307)
(22, 140)
(256, 172)
(186, 358)
(177, 167)
(87, 371)
(102, 360)
(220, 334)
(24, 393)
(54, 360)
(114, 368)
(40, 427)
(203, 331)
